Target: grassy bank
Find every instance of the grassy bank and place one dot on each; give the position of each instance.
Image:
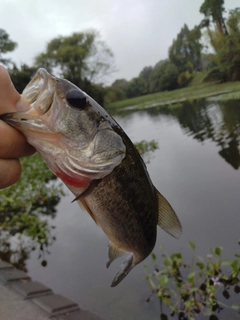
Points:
(206, 90)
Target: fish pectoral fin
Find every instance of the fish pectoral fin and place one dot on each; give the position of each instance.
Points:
(113, 253)
(87, 191)
(126, 267)
(167, 218)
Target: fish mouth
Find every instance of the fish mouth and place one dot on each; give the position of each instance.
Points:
(39, 94)
(39, 91)
(91, 157)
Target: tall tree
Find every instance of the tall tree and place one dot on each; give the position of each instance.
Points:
(227, 57)
(233, 21)
(6, 45)
(79, 56)
(164, 76)
(185, 51)
(136, 87)
(213, 11)
(117, 91)
(145, 74)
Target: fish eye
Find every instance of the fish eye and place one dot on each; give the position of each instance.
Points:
(76, 99)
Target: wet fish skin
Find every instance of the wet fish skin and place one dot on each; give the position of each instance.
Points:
(124, 205)
(119, 195)
(77, 143)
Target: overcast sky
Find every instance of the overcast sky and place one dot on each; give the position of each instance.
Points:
(139, 32)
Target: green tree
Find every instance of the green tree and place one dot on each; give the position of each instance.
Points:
(6, 45)
(164, 76)
(233, 21)
(185, 51)
(117, 91)
(79, 56)
(21, 76)
(228, 57)
(227, 48)
(213, 11)
(145, 74)
(136, 87)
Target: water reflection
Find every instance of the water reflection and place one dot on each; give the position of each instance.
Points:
(17, 256)
(187, 169)
(25, 211)
(218, 122)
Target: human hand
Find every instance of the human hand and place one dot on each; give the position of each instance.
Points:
(13, 144)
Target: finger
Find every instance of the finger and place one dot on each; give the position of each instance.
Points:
(8, 94)
(12, 143)
(10, 171)
(10, 99)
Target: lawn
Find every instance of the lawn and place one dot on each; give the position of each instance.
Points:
(228, 90)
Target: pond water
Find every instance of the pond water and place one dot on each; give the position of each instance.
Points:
(196, 167)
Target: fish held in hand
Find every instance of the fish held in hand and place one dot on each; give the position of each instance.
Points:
(94, 157)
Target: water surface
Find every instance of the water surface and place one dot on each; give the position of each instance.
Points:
(196, 168)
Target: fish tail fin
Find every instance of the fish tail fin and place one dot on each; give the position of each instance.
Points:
(126, 267)
(167, 218)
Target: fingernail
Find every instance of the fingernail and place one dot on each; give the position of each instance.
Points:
(22, 105)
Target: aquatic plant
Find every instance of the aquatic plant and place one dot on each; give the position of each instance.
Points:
(190, 289)
(26, 206)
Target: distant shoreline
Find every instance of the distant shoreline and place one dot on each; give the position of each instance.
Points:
(222, 91)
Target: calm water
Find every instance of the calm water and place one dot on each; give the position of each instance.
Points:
(196, 168)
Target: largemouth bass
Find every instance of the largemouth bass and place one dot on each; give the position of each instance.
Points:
(85, 147)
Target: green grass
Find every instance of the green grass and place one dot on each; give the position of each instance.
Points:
(177, 96)
(198, 78)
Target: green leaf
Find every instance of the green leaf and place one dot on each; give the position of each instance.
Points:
(191, 277)
(167, 262)
(163, 280)
(226, 262)
(235, 307)
(153, 256)
(217, 251)
(192, 244)
(235, 266)
(200, 265)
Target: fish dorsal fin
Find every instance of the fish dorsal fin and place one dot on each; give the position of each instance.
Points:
(113, 253)
(167, 218)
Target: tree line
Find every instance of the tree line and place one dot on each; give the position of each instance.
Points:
(188, 55)
(84, 59)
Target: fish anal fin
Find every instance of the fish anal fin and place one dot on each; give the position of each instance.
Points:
(113, 253)
(167, 218)
(126, 267)
(84, 205)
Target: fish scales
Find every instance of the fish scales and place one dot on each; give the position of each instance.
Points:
(128, 199)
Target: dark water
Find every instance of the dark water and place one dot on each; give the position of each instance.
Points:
(196, 168)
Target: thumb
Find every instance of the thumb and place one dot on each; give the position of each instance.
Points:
(10, 99)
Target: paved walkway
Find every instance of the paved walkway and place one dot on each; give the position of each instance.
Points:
(24, 299)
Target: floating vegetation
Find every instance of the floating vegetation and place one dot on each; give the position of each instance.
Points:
(191, 289)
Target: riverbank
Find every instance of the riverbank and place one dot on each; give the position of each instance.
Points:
(222, 91)
(24, 299)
